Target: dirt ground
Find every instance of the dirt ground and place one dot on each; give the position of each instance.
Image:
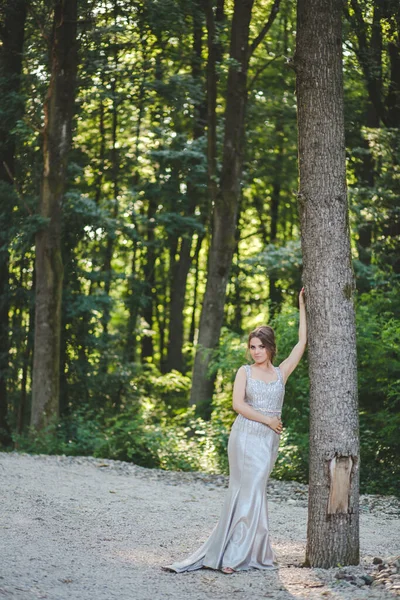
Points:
(84, 528)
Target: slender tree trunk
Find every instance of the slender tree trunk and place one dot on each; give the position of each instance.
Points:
(177, 304)
(333, 517)
(226, 196)
(160, 314)
(133, 307)
(26, 363)
(149, 262)
(134, 283)
(195, 262)
(59, 108)
(149, 279)
(115, 169)
(225, 210)
(275, 293)
(182, 266)
(237, 313)
(13, 13)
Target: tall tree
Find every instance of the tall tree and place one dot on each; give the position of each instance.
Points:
(333, 519)
(58, 110)
(226, 196)
(13, 14)
(181, 267)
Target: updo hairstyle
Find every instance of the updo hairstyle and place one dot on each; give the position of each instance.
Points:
(266, 335)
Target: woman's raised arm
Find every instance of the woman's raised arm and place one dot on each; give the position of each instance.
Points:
(291, 362)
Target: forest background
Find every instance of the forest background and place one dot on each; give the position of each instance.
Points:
(136, 227)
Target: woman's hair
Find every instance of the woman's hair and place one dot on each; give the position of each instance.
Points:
(267, 336)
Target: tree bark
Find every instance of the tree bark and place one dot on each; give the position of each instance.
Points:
(225, 210)
(58, 109)
(333, 517)
(12, 41)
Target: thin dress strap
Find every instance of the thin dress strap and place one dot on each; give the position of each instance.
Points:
(247, 369)
(279, 375)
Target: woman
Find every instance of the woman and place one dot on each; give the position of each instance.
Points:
(240, 540)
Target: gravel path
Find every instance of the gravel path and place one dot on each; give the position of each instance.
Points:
(77, 528)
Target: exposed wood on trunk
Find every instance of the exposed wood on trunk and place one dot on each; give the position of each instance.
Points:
(328, 279)
(340, 468)
(59, 108)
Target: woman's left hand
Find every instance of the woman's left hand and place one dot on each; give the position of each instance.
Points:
(302, 297)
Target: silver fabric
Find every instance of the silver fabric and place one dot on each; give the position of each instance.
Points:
(241, 537)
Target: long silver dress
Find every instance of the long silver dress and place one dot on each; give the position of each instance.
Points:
(241, 539)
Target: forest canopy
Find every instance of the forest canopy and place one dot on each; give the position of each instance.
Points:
(124, 125)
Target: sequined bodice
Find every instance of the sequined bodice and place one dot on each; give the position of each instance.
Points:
(264, 397)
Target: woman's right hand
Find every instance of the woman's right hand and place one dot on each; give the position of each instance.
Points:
(275, 423)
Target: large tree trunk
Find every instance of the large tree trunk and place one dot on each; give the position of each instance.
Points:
(59, 107)
(225, 210)
(333, 518)
(13, 14)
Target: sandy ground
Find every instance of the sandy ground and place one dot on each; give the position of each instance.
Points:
(73, 528)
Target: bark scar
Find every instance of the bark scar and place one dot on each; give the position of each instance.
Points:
(340, 469)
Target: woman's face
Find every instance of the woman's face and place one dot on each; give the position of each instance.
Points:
(258, 351)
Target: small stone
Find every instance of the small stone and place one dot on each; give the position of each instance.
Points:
(340, 575)
(392, 559)
(377, 561)
(367, 579)
(382, 575)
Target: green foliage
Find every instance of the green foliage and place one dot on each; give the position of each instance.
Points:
(137, 193)
(147, 431)
(378, 343)
(153, 427)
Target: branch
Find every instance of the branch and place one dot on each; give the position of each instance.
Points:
(32, 125)
(257, 41)
(39, 24)
(260, 70)
(20, 196)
